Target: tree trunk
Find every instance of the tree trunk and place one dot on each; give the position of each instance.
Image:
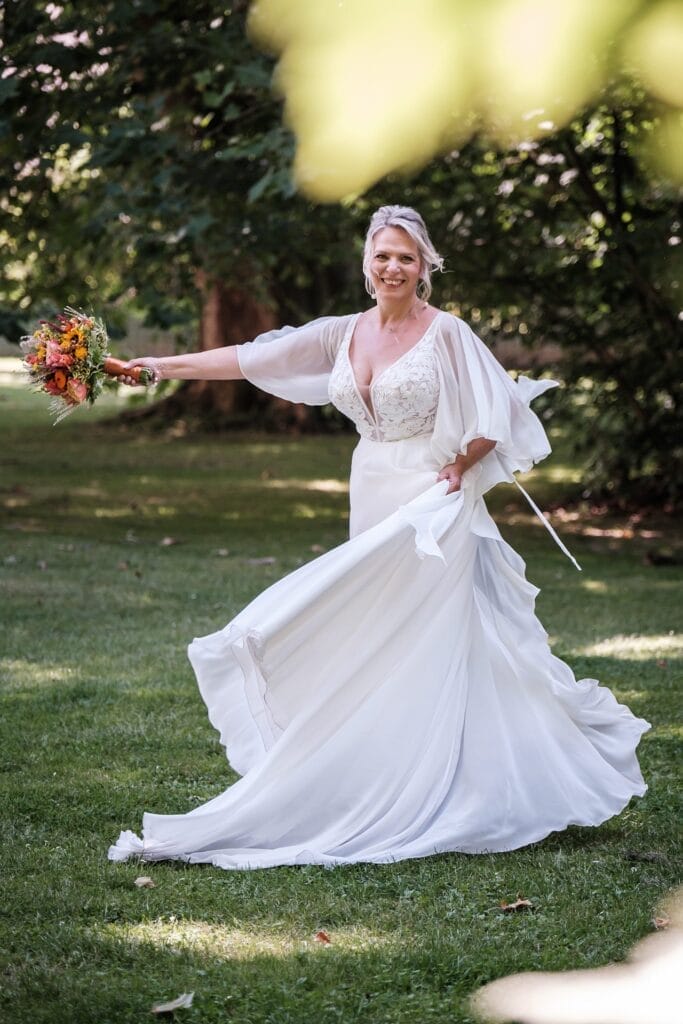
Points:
(230, 316)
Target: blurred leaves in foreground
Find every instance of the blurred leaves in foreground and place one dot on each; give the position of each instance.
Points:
(371, 88)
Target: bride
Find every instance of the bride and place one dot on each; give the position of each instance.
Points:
(397, 697)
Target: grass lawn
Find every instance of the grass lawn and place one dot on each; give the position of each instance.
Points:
(115, 550)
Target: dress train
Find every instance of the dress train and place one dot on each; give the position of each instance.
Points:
(397, 698)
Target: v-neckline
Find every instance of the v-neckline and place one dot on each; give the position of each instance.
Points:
(370, 408)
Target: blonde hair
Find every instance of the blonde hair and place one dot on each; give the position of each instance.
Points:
(411, 222)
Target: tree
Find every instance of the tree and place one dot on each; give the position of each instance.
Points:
(153, 139)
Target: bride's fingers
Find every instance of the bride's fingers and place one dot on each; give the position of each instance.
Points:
(454, 481)
(147, 362)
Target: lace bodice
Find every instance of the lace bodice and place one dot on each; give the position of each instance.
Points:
(403, 398)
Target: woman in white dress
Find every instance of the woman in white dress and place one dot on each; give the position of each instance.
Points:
(397, 697)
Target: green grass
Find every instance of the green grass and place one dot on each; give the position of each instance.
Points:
(101, 719)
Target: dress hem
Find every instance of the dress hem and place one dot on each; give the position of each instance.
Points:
(130, 846)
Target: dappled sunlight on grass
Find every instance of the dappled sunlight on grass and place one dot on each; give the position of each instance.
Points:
(594, 586)
(158, 509)
(556, 474)
(22, 674)
(326, 486)
(94, 490)
(672, 731)
(629, 697)
(111, 513)
(11, 372)
(305, 512)
(277, 939)
(636, 648)
(16, 501)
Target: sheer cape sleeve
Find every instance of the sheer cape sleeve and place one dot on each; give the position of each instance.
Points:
(294, 363)
(477, 398)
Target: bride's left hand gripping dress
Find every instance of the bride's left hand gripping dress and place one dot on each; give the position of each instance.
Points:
(396, 697)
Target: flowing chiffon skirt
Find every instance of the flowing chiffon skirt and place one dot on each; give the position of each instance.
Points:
(397, 698)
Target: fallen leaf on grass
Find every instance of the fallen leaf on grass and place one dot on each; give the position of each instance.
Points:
(519, 904)
(181, 1003)
(168, 542)
(145, 882)
(223, 552)
(42, 565)
(317, 549)
(267, 560)
(661, 922)
(323, 938)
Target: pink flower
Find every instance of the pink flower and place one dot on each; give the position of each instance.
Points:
(55, 357)
(77, 390)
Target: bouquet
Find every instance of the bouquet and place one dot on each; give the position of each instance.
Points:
(69, 359)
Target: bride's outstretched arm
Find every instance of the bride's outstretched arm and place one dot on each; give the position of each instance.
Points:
(212, 364)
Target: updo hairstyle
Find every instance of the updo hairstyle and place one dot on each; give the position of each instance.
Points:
(411, 222)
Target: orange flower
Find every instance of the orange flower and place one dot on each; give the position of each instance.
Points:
(81, 352)
(60, 379)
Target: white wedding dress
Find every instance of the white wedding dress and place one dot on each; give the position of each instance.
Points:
(397, 697)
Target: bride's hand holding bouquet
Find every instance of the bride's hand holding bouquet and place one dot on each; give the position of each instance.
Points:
(146, 367)
(68, 358)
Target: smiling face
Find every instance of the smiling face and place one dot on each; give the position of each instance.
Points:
(395, 264)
